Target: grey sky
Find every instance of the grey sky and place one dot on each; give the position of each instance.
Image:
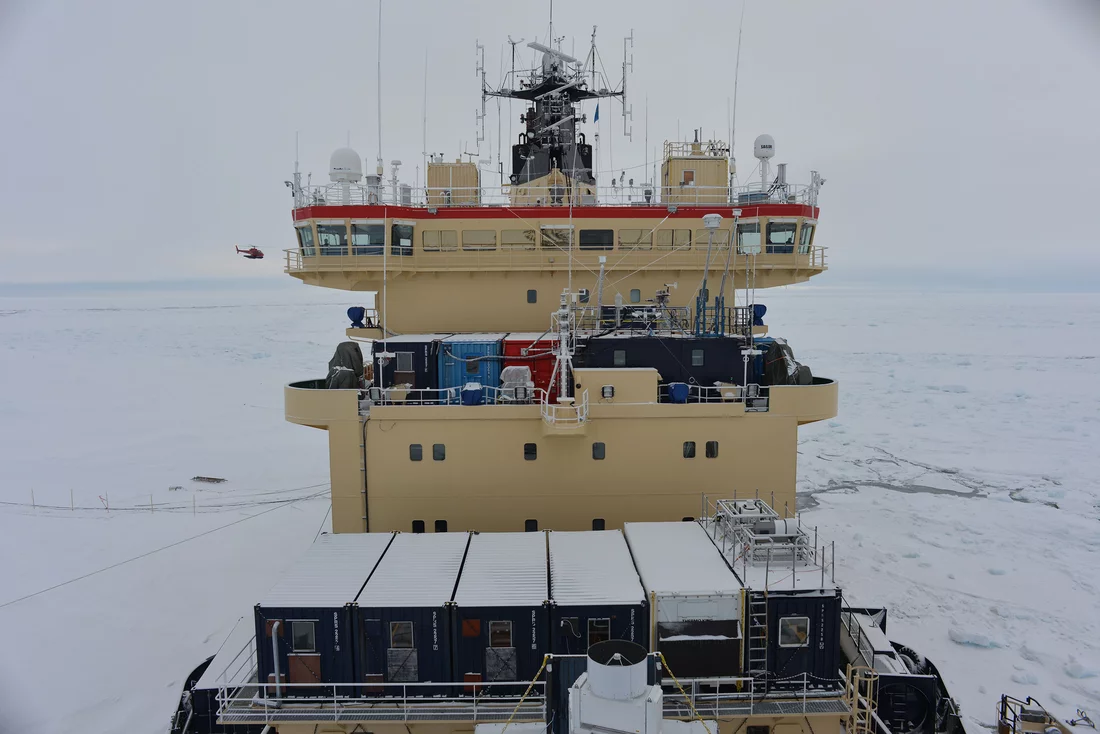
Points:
(142, 140)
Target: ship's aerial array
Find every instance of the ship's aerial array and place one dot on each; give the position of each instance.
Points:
(563, 448)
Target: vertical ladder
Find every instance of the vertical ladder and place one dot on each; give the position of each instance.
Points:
(899, 722)
(757, 639)
(860, 692)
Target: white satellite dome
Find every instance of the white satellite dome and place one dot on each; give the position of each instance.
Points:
(764, 147)
(345, 166)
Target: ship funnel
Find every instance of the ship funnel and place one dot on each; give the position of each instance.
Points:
(617, 670)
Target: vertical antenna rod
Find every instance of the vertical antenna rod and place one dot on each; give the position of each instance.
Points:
(736, 75)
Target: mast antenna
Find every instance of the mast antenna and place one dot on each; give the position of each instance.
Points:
(424, 126)
(480, 117)
(736, 75)
(628, 63)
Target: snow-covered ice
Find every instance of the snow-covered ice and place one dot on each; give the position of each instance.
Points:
(958, 480)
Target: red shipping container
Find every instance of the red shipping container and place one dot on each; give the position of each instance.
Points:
(535, 353)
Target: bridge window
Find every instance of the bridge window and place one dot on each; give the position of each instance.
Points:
(721, 239)
(367, 239)
(748, 238)
(712, 449)
(401, 239)
(517, 239)
(416, 452)
(479, 239)
(333, 239)
(635, 295)
(805, 238)
(689, 449)
(673, 239)
(597, 239)
(303, 637)
(557, 239)
(635, 239)
(443, 239)
(781, 237)
(794, 632)
(305, 240)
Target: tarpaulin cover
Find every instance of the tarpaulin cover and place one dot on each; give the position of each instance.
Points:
(345, 368)
(780, 367)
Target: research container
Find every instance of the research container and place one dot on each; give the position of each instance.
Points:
(595, 593)
(415, 361)
(500, 617)
(465, 358)
(696, 614)
(534, 351)
(806, 643)
(304, 625)
(403, 612)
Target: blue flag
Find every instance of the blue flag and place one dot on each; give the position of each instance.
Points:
(596, 117)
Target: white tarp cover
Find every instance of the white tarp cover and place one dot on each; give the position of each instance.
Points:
(592, 567)
(503, 570)
(419, 570)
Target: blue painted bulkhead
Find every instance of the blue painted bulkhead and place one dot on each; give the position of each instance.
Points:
(473, 654)
(377, 660)
(331, 660)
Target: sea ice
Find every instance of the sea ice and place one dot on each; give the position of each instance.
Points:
(972, 638)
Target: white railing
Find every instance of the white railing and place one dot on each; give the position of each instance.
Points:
(258, 703)
(485, 395)
(580, 195)
(565, 413)
(715, 697)
(754, 396)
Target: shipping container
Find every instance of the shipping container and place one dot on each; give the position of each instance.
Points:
(536, 352)
(806, 638)
(693, 360)
(696, 614)
(402, 615)
(415, 361)
(595, 593)
(306, 623)
(500, 616)
(467, 358)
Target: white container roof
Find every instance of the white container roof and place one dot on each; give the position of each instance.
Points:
(475, 338)
(530, 336)
(593, 567)
(504, 570)
(413, 338)
(419, 570)
(678, 558)
(330, 573)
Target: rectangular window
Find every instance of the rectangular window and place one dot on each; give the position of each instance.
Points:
(721, 239)
(599, 630)
(332, 239)
(687, 178)
(781, 237)
(599, 451)
(479, 239)
(416, 452)
(748, 238)
(532, 296)
(794, 632)
(441, 526)
(557, 239)
(437, 240)
(367, 239)
(401, 634)
(635, 239)
(530, 451)
(696, 357)
(517, 239)
(618, 358)
(712, 449)
(473, 367)
(303, 637)
(673, 239)
(689, 449)
(305, 240)
(439, 452)
(401, 239)
(597, 239)
(500, 634)
(635, 295)
(418, 526)
(805, 238)
(530, 526)
(404, 361)
(598, 524)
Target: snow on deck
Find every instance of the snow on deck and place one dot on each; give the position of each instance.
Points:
(504, 570)
(593, 567)
(419, 570)
(331, 572)
(230, 660)
(678, 558)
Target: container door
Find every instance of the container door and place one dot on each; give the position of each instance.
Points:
(401, 658)
(304, 668)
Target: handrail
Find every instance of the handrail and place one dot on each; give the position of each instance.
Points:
(564, 414)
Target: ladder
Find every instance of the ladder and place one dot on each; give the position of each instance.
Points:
(757, 638)
(860, 692)
(899, 709)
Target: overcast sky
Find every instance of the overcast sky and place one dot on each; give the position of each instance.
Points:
(141, 140)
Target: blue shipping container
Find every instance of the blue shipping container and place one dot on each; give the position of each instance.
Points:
(467, 358)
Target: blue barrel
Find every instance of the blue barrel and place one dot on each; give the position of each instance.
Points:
(472, 394)
(678, 392)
